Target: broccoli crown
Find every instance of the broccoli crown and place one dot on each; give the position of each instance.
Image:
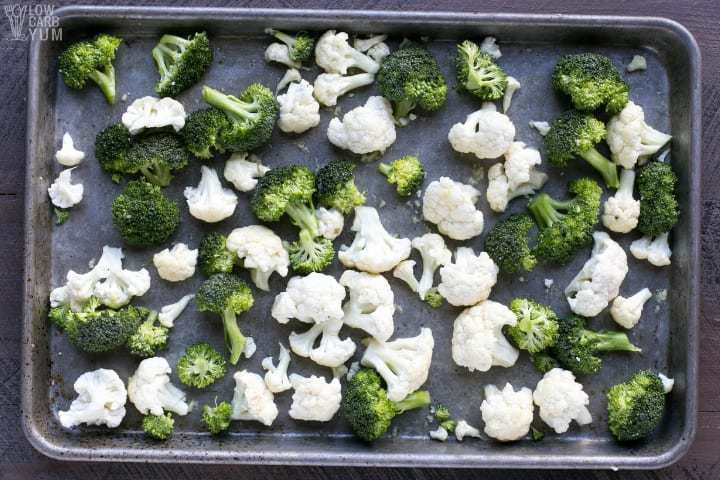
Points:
(536, 328)
(636, 407)
(335, 186)
(213, 255)
(159, 427)
(410, 77)
(61, 316)
(201, 133)
(300, 47)
(433, 298)
(658, 205)
(309, 254)
(111, 148)
(285, 190)
(566, 226)
(149, 338)
(156, 156)
(442, 413)
(201, 366)
(478, 73)
(143, 215)
(91, 60)
(94, 330)
(591, 81)
(217, 418)
(407, 173)
(251, 116)
(544, 362)
(181, 62)
(507, 243)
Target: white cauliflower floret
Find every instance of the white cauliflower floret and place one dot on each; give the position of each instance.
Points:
(330, 86)
(507, 414)
(291, 75)
(621, 211)
(631, 139)
(364, 129)
(627, 311)
(561, 400)
(210, 202)
(250, 347)
(464, 429)
(594, 287)
(331, 352)
(405, 272)
(373, 250)
(299, 111)
(252, 400)
(517, 177)
(478, 342)
(169, 313)
(151, 112)
(315, 298)
(262, 253)
(370, 305)
(100, 401)
(242, 172)
(120, 286)
(439, 434)
(668, 383)
(365, 44)
(330, 222)
(378, 53)
(68, 155)
(150, 390)
(486, 133)
(334, 54)
(63, 193)
(403, 363)
(451, 205)
(638, 62)
(654, 250)
(177, 264)
(434, 255)
(469, 280)
(280, 53)
(489, 46)
(542, 127)
(276, 377)
(314, 399)
(512, 86)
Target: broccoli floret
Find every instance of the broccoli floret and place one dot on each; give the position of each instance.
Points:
(335, 186)
(544, 362)
(407, 173)
(213, 255)
(536, 328)
(200, 366)
(217, 418)
(251, 116)
(478, 73)
(181, 62)
(96, 330)
(225, 294)
(575, 134)
(201, 133)
(442, 413)
(535, 434)
(61, 215)
(111, 147)
(300, 47)
(591, 81)
(149, 337)
(449, 425)
(159, 427)
(658, 204)
(410, 77)
(367, 408)
(156, 156)
(144, 216)
(636, 407)
(91, 60)
(308, 254)
(566, 226)
(507, 243)
(60, 316)
(433, 298)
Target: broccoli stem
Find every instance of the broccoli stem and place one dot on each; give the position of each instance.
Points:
(106, 82)
(607, 169)
(403, 108)
(304, 218)
(607, 341)
(418, 399)
(180, 42)
(234, 339)
(283, 37)
(230, 104)
(545, 209)
(157, 174)
(385, 169)
(480, 78)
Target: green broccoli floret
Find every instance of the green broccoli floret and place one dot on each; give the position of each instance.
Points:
(61, 215)
(159, 427)
(575, 134)
(478, 73)
(144, 216)
(217, 418)
(156, 156)
(201, 366)
(591, 81)
(449, 425)
(543, 362)
(536, 328)
(91, 60)
(407, 173)
(566, 226)
(442, 413)
(308, 254)
(100, 330)
(213, 255)
(301, 46)
(658, 204)
(433, 298)
(201, 132)
(410, 77)
(225, 294)
(149, 338)
(335, 186)
(535, 434)
(251, 116)
(507, 243)
(181, 62)
(367, 408)
(111, 147)
(636, 407)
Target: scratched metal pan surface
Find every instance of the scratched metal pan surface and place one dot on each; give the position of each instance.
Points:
(531, 44)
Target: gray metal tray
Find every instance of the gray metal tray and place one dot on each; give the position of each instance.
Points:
(531, 44)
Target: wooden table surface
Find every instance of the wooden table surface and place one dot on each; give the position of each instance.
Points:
(18, 460)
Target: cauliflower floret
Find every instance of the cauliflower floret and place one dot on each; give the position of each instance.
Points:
(464, 429)
(315, 298)
(486, 133)
(405, 272)
(330, 222)
(378, 53)
(244, 173)
(334, 54)
(403, 363)
(280, 53)
(314, 399)
(365, 44)
(515, 178)
(177, 264)
(151, 112)
(507, 414)
(451, 205)
(150, 390)
(489, 46)
(252, 400)
(276, 377)
(561, 400)
(469, 280)
(169, 313)
(654, 250)
(291, 75)
(370, 305)
(299, 111)
(332, 351)
(262, 251)
(439, 434)
(250, 347)
(627, 311)
(594, 287)
(210, 202)
(668, 383)
(101, 400)
(512, 86)
(68, 155)
(638, 62)
(631, 139)
(63, 193)
(542, 127)
(120, 286)
(365, 129)
(434, 254)
(330, 86)
(621, 211)
(478, 342)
